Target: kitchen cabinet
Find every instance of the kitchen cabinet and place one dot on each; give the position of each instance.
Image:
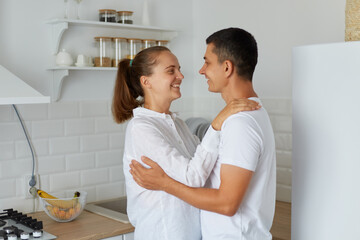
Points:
(128, 236)
(59, 26)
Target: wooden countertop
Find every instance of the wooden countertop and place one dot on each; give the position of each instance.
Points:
(86, 226)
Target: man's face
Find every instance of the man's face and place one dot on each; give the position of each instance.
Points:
(213, 70)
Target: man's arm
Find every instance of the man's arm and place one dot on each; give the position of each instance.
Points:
(225, 200)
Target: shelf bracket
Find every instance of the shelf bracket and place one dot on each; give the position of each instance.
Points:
(58, 77)
(56, 33)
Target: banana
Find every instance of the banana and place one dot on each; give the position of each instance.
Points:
(54, 201)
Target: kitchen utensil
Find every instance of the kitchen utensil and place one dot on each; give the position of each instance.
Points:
(64, 58)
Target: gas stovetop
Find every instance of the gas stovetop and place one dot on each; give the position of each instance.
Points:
(16, 225)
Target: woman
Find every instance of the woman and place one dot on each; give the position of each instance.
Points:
(144, 90)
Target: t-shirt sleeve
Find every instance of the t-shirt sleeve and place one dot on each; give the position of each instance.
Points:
(241, 142)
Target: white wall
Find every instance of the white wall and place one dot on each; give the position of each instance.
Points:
(277, 26)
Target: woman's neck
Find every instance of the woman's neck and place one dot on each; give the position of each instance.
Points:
(157, 107)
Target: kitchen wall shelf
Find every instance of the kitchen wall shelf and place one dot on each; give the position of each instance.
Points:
(59, 73)
(59, 26)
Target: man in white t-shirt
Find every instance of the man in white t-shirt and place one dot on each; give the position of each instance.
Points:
(238, 200)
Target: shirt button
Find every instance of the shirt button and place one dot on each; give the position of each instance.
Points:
(180, 142)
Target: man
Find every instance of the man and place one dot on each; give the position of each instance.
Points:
(239, 199)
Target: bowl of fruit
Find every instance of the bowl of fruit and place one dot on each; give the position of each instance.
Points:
(63, 209)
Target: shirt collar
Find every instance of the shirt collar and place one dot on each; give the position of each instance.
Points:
(141, 111)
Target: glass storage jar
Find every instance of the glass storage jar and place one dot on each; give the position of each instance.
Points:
(134, 47)
(162, 43)
(120, 50)
(107, 15)
(125, 17)
(103, 57)
(146, 43)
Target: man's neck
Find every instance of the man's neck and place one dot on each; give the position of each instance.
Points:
(238, 88)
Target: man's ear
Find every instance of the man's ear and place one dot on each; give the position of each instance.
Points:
(145, 82)
(228, 68)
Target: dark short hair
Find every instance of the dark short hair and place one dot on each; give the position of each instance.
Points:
(238, 46)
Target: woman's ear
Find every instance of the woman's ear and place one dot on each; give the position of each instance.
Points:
(145, 83)
(228, 68)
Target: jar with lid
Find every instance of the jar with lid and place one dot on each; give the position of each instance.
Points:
(134, 47)
(125, 17)
(107, 15)
(162, 43)
(103, 57)
(120, 50)
(146, 43)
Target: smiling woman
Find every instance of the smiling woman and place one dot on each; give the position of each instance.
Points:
(144, 89)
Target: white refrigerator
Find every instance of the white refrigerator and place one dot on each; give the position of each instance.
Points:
(326, 142)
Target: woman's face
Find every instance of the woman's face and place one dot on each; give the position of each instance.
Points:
(164, 83)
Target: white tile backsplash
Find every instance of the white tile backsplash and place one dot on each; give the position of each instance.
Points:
(107, 125)
(94, 176)
(32, 112)
(64, 145)
(117, 174)
(40, 148)
(46, 129)
(6, 113)
(117, 140)
(79, 147)
(78, 127)
(94, 108)
(64, 110)
(94, 143)
(7, 150)
(80, 161)
(15, 168)
(64, 181)
(109, 158)
(8, 187)
(51, 164)
(109, 191)
(10, 131)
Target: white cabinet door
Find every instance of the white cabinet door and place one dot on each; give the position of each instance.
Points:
(120, 237)
(128, 236)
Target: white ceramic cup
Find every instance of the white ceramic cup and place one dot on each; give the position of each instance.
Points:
(82, 60)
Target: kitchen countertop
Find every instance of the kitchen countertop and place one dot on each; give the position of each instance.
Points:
(86, 226)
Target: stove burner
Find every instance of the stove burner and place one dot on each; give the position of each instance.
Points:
(9, 230)
(15, 225)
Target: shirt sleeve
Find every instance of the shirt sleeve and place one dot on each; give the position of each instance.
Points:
(241, 142)
(148, 141)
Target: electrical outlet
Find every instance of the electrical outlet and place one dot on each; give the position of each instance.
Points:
(27, 186)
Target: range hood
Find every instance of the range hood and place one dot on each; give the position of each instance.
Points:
(13, 90)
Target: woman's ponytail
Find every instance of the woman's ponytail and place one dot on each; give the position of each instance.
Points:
(125, 94)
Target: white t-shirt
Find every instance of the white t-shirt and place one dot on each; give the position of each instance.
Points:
(167, 140)
(246, 141)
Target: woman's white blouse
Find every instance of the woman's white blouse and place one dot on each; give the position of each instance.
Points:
(167, 140)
